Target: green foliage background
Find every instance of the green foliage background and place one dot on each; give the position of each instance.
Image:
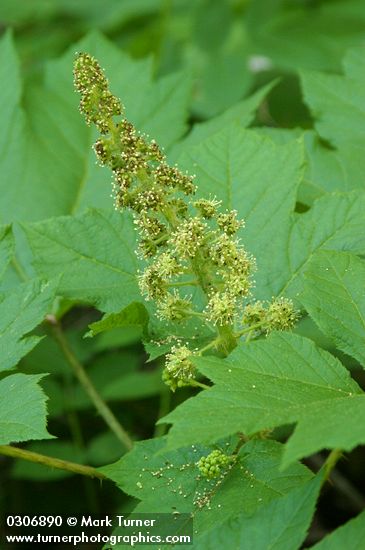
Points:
(264, 100)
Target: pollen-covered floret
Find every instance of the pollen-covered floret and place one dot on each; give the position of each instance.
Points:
(150, 226)
(179, 370)
(281, 315)
(221, 308)
(152, 284)
(170, 176)
(231, 257)
(224, 251)
(254, 314)
(211, 466)
(188, 237)
(153, 234)
(173, 307)
(237, 282)
(167, 265)
(207, 208)
(229, 223)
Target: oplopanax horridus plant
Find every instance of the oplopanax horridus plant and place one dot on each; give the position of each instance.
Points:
(194, 266)
(185, 242)
(274, 397)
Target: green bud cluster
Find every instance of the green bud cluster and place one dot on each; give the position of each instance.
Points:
(185, 241)
(211, 466)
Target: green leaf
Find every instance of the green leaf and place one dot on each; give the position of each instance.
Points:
(337, 102)
(58, 175)
(260, 179)
(22, 409)
(133, 315)
(93, 252)
(331, 170)
(335, 222)
(340, 275)
(6, 247)
(280, 30)
(20, 311)
(168, 481)
(281, 524)
(38, 175)
(327, 169)
(255, 176)
(353, 532)
(243, 113)
(272, 382)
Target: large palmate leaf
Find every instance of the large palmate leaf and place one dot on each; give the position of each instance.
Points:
(93, 253)
(57, 174)
(337, 102)
(268, 383)
(335, 222)
(260, 179)
(334, 295)
(21, 310)
(38, 175)
(327, 169)
(22, 409)
(279, 525)
(169, 481)
(256, 177)
(353, 532)
(243, 113)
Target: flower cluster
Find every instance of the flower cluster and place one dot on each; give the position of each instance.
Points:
(179, 370)
(185, 241)
(279, 314)
(211, 466)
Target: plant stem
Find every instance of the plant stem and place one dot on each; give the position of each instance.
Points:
(197, 384)
(15, 452)
(340, 483)
(184, 283)
(331, 462)
(211, 344)
(248, 329)
(88, 386)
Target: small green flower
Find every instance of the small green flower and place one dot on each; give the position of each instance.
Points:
(152, 284)
(254, 313)
(173, 307)
(281, 315)
(221, 308)
(179, 370)
(207, 208)
(188, 237)
(229, 223)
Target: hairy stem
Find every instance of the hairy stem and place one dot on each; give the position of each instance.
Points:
(15, 452)
(88, 386)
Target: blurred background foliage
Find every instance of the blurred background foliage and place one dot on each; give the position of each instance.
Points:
(226, 45)
(174, 63)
